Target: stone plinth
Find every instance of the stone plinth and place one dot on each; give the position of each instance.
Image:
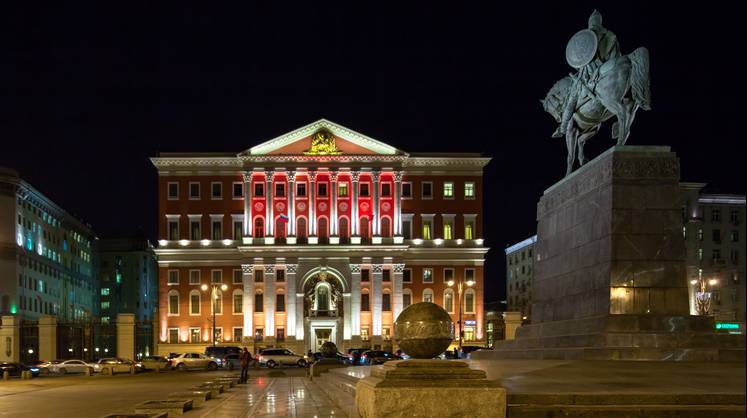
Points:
(126, 336)
(407, 388)
(172, 406)
(10, 335)
(609, 278)
(47, 337)
(324, 365)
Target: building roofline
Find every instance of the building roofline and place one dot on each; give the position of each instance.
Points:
(522, 244)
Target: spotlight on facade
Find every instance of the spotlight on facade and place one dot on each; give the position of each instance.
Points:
(438, 241)
(96, 349)
(693, 281)
(85, 350)
(183, 242)
(106, 350)
(204, 287)
(70, 349)
(205, 242)
(227, 242)
(450, 283)
(479, 241)
(460, 241)
(470, 282)
(712, 282)
(417, 241)
(224, 287)
(31, 351)
(162, 242)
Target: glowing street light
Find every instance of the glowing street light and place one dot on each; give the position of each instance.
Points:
(214, 298)
(460, 284)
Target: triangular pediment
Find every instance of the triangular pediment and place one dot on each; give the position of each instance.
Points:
(336, 140)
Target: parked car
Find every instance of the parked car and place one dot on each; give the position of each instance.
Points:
(153, 362)
(274, 357)
(374, 357)
(341, 358)
(15, 369)
(230, 361)
(116, 365)
(351, 353)
(467, 349)
(67, 366)
(186, 361)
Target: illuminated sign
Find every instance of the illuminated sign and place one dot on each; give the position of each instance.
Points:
(470, 322)
(726, 325)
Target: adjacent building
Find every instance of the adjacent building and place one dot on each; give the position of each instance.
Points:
(47, 264)
(321, 234)
(519, 273)
(714, 230)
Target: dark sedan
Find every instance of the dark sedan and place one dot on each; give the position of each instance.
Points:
(374, 357)
(15, 369)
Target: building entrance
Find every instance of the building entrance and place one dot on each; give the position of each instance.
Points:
(322, 336)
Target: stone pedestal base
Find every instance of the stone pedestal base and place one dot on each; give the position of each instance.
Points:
(323, 366)
(428, 388)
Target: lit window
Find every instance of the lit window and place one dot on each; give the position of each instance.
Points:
(469, 232)
(469, 190)
(194, 335)
(104, 291)
(447, 230)
(342, 190)
(427, 275)
(238, 302)
(448, 189)
(364, 334)
(427, 229)
(428, 295)
(104, 305)
(449, 300)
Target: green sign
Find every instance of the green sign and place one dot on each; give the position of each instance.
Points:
(726, 325)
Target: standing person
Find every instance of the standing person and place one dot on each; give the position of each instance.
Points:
(245, 358)
(356, 358)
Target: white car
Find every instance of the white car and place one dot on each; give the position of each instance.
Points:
(273, 357)
(67, 366)
(193, 361)
(116, 365)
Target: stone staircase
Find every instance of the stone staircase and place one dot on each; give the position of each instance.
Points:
(340, 388)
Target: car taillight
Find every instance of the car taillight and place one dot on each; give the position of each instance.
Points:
(365, 356)
(261, 358)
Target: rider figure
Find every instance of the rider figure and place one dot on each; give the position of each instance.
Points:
(607, 49)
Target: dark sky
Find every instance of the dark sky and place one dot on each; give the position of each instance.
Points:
(88, 94)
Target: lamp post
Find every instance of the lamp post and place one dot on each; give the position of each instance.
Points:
(214, 298)
(460, 285)
(702, 295)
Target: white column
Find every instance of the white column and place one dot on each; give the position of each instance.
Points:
(247, 204)
(290, 299)
(291, 205)
(397, 292)
(333, 209)
(397, 203)
(354, 207)
(347, 315)
(355, 299)
(376, 302)
(248, 305)
(312, 204)
(299, 316)
(269, 297)
(376, 230)
(269, 221)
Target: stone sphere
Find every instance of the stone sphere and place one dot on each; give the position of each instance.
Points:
(424, 330)
(328, 350)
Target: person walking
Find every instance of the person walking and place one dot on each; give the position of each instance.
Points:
(245, 358)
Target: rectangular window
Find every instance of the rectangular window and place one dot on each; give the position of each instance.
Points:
(734, 256)
(364, 333)
(280, 275)
(259, 189)
(469, 189)
(258, 302)
(279, 189)
(448, 190)
(216, 190)
(238, 190)
(173, 230)
(173, 277)
(322, 190)
(194, 190)
(300, 189)
(104, 291)
(365, 302)
(364, 189)
(700, 254)
(365, 275)
(734, 236)
(428, 275)
(259, 334)
(280, 303)
(194, 277)
(469, 302)
(427, 228)
(407, 276)
(259, 276)
(427, 190)
(280, 334)
(448, 275)
(194, 230)
(238, 334)
(716, 235)
(469, 333)
(386, 189)
(386, 302)
(194, 302)
(238, 276)
(406, 300)
(105, 305)
(448, 227)
(386, 275)
(238, 303)
(173, 304)
(238, 229)
(342, 190)
(406, 190)
(407, 229)
(173, 335)
(716, 254)
(386, 333)
(217, 229)
(194, 335)
(700, 234)
(734, 216)
(716, 215)
(469, 274)
(173, 190)
(216, 276)
(469, 230)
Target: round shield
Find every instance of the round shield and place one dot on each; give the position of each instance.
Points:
(581, 48)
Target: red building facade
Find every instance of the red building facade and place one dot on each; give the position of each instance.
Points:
(322, 234)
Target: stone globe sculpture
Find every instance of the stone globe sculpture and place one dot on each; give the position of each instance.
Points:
(424, 330)
(328, 350)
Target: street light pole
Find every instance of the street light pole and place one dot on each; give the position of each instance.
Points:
(460, 285)
(214, 299)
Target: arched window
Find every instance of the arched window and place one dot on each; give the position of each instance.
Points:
(301, 229)
(238, 301)
(428, 295)
(469, 301)
(386, 227)
(322, 230)
(218, 305)
(365, 230)
(173, 302)
(406, 298)
(194, 302)
(280, 230)
(322, 297)
(344, 232)
(259, 228)
(449, 300)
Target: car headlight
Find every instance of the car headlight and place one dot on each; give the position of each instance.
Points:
(34, 369)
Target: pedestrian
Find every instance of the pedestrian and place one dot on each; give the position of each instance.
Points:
(245, 358)
(456, 353)
(356, 358)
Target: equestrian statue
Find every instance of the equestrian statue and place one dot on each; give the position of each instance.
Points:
(605, 84)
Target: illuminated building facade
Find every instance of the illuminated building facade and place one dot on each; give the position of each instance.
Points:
(46, 256)
(519, 274)
(322, 234)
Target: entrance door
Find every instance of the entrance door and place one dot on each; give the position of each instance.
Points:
(322, 336)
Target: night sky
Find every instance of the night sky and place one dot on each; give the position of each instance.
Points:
(89, 94)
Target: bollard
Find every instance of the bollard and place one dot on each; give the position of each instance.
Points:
(158, 368)
(6, 375)
(89, 371)
(132, 369)
(25, 375)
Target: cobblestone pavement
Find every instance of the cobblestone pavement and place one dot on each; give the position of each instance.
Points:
(265, 397)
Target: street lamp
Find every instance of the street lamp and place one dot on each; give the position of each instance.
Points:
(214, 298)
(460, 284)
(702, 294)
